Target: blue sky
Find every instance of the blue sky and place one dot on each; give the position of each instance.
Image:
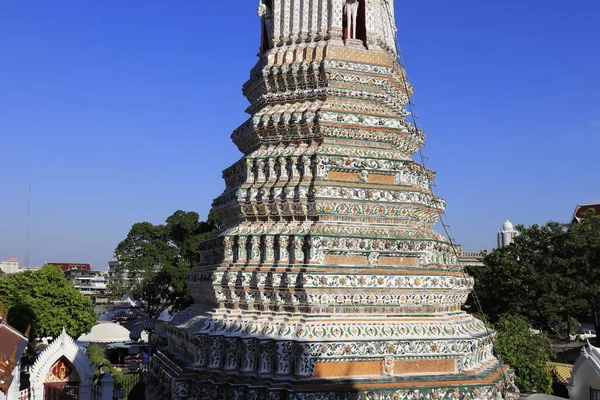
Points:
(120, 111)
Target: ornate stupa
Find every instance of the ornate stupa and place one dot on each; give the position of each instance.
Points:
(327, 280)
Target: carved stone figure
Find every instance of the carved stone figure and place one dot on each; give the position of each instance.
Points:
(266, 15)
(351, 12)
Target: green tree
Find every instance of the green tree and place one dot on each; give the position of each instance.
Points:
(584, 240)
(526, 352)
(96, 355)
(157, 259)
(44, 301)
(535, 276)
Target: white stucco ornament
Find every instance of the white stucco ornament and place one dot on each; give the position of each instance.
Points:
(62, 346)
(586, 373)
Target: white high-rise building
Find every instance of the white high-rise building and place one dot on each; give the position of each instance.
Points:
(507, 234)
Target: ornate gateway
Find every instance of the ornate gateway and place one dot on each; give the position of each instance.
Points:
(328, 280)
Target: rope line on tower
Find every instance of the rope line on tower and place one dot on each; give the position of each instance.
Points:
(424, 160)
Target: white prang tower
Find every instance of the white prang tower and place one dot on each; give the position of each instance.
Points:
(507, 234)
(327, 280)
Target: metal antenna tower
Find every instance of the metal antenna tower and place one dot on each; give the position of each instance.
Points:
(27, 228)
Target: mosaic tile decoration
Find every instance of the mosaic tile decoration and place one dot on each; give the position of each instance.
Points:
(328, 280)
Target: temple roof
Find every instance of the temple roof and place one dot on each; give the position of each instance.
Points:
(561, 372)
(12, 345)
(581, 209)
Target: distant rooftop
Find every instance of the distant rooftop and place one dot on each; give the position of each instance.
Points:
(582, 208)
(12, 345)
(72, 266)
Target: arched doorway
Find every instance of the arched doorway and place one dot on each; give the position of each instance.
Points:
(62, 381)
(62, 371)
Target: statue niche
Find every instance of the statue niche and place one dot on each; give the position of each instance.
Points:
(265, 12)
(354, 23)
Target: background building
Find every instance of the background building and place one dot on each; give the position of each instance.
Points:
(9, 265)
(507, 234)
(581, 209)
(90, 283)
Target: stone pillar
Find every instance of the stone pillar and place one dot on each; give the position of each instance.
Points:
(260, 170)
(180, 390)
(271, 168)
(283, 169)
(284, 358)
(265, 366)
(249, 170)
(107, 387)
(201, 356)
(306, 167)
(37, 392)
(231, 362)
(254, 255)
(284, 254)
(249, 355)
(299, 249)
(303, 361)
(335, 21)
(294, 166)
(269, 255)
(215, 353)
(228, 251)
(13, 390)
(241, 249)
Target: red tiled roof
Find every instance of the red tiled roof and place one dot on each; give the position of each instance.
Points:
(12, 345)
(582, 208)
(70, 266)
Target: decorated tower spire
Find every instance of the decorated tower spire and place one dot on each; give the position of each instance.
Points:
(327, 280)
(287, 22)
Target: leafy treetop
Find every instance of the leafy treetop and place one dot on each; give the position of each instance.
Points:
(549, 274)
(44, 301)
(157, 259)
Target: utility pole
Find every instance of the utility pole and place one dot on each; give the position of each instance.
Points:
(27, 228)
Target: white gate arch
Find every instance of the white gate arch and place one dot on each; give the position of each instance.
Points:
(62, 346)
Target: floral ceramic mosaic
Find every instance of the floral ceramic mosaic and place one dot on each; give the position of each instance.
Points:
(328, 280)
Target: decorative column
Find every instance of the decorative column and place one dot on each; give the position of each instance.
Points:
(283, 169)
(231, 363)
(284, 254)
(269, 250)
(284, 358)
(254, 255)
(271, 168)
(201, 358)
(249, 355)
(249, 170)
(241, 249)
(265, 366)
(228, 253)
(303, 361)
(215, 360)
(336, 31)
(107, 387)
(294, 166)
(306, 168)
(13, 390)
(298, 249)
(260, 170)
